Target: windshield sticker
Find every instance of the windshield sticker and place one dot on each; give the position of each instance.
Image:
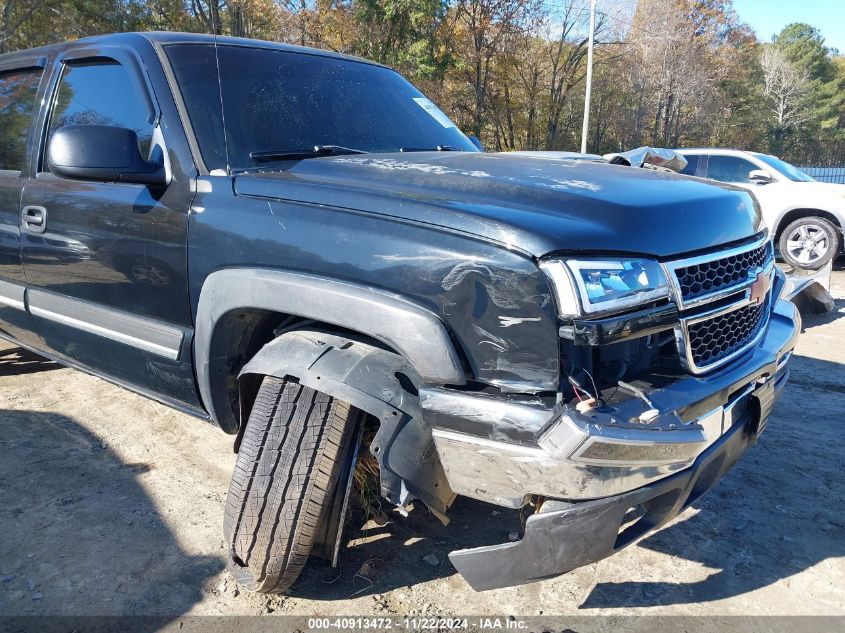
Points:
(436, 113)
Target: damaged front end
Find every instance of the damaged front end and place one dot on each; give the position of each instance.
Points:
(667, 378)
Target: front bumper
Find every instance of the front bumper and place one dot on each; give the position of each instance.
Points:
(566, 536)
(502, 454)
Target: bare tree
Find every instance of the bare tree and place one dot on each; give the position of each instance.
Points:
(671, 69)
(207, 13)
(515, 96)
(566, 49)
(786, 86)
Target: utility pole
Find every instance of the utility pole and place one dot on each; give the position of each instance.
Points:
(585, 128)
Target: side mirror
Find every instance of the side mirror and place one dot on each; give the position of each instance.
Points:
(760, 176)
(475, 141)
(104, 153)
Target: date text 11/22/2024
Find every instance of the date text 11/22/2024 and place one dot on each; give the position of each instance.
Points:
(418, 623)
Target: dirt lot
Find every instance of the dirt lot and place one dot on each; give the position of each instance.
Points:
(112, 504)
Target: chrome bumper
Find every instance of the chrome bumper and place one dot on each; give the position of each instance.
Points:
(501, 452)
(563, 536)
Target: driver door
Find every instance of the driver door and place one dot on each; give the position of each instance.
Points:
(106, 262)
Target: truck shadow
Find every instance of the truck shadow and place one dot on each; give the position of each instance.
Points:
(404, 551)
(16, 361)
(80, 528)
(778, 513)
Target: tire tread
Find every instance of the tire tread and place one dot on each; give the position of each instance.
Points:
(288, 464)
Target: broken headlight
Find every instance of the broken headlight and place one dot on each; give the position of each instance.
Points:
(593, 286)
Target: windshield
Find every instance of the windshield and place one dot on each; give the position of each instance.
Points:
(793, 173)
(286, 102)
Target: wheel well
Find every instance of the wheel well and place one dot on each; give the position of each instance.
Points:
(796, 214)
(238, 336)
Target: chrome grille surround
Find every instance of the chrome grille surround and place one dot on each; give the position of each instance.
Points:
(705, 278)
(710, 338)
(714, 338)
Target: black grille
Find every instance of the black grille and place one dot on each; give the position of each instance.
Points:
(719, 274)
(714, 339)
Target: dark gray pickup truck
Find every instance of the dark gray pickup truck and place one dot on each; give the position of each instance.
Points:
(298, 245)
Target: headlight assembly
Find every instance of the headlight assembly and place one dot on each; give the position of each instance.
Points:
(594, 286)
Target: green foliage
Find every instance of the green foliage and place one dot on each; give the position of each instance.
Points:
(403, 34)
(804, 46)
(824, 132)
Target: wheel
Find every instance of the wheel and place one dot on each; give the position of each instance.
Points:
(809, 243)
(288, 465)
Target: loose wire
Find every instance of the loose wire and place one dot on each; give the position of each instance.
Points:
(598, 395)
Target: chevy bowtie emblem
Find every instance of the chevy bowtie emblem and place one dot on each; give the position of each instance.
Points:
(760, 288)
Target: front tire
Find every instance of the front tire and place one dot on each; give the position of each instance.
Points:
(288, 466)
(809, 243)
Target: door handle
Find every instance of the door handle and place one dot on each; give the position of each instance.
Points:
(34, 219)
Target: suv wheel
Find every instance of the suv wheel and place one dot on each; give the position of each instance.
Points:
(809, 243)
(288, 466)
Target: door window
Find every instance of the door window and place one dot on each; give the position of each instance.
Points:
(17, 102)
(101, 92)
(692, 164)
(729, 168)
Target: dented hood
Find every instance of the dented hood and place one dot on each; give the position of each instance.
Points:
(530, 203)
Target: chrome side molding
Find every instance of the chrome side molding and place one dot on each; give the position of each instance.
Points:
(142, 333)
(139, 332)
(12, 295)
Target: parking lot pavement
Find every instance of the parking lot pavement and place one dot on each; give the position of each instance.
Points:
(113, 504)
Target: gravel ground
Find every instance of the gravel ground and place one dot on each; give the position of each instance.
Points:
(112, 504)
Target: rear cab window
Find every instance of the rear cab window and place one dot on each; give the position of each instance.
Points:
(18, 89)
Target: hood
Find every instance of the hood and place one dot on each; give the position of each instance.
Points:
(787, 194)
(825, 188)
(529, 203)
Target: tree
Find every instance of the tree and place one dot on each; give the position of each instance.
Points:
(787, 87)
(403, 34)
(803, 45)
(819, 117)
(666, 72)
(486, 26)
(29, 23)
(566, 53)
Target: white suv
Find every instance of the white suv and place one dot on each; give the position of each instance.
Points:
(805, 217)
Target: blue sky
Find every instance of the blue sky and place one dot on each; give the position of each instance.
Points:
(768, 17)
